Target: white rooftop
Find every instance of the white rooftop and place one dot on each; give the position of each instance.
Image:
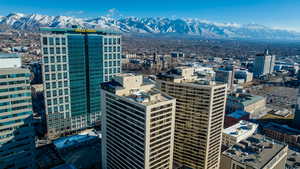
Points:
(8, 60)
(240, 129)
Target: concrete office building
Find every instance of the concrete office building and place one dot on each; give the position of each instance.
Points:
(138, 124)
(75, 63)
(264, 64)
(225, 76)
(17, 142)
(238, 132)
(255, 152)
(244, 75)
(200, 107)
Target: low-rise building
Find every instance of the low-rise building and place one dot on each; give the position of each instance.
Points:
(255, 152)
(238, 132)
(235, 117)
(282, 133)
(245, 102)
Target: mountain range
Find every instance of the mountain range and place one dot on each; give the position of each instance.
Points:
(151, 25)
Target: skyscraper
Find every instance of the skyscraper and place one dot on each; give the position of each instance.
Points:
(199, 117)
(264, 64)
(138, 124)
(75, 62)
(17, 142)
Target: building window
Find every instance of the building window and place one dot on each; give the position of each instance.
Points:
(51, 41)
(46, 68)
(58, 67)
(55, 101)
(65, 75)
(53, 76)
(60, 82)
(63, 41)
(64, 50)
(60, 92)
(64, 67)
(45, 41)
(52, 59)
(54, 93)
(57, 41)
(57, 50)
(61, 108)
(47, 85)
(47, 77)
(59, 75)
(66, 91)
(53, 84)
(64, 58)
(61, 100)
(45, 50)
(46, 59)
(53, 68)
(51, 51)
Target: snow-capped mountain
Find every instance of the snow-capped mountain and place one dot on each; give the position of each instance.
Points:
(150, 25)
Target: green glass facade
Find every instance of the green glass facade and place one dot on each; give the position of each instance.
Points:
(77, 74)
(75, 63)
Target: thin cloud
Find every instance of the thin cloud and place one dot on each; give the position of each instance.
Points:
(75, 12)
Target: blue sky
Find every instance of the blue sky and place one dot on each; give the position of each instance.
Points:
(273, 13)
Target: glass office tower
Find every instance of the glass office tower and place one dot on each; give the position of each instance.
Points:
(76, 62)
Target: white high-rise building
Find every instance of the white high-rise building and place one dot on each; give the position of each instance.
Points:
(264, 64)
(138, 124)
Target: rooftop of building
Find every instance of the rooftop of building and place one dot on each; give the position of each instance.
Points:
(82, 137)
(293, 160)
(240, 128)
(136, 88)
(282, 128)
(255, 151)
(79, 30)
(9, 55)
(238, 114)
(245, 98)
(186, 75)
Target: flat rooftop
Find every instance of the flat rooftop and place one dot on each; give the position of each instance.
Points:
(79, 31)
(240, 128)
(246, 98)
(146, 93)
(293, 160)
(9, 55)
(255, 151)
(237, 114)
(186, 75)
(282, 128)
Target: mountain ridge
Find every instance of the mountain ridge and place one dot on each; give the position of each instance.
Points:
(151, 25)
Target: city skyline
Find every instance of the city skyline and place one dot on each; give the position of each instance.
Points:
(280, 14)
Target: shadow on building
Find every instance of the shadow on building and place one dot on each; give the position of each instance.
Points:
(17, 150)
